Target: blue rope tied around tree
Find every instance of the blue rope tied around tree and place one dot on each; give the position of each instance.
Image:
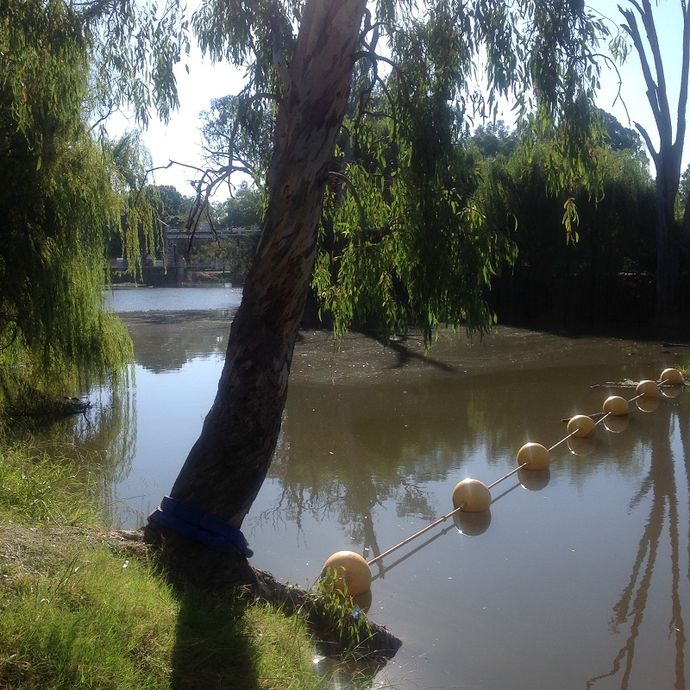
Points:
(197, 525)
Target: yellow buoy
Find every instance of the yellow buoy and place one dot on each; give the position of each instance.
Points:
(671, 376)
(350, 572)
(534, 456)
(648, 388)
(616, 406)
(472, 495)
(581, 426)
(363, 600)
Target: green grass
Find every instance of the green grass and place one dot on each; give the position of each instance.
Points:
(36, 489)
(77, 612)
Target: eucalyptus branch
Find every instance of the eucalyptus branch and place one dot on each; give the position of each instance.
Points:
(365, 96)
(195, 214)
(648, 142)
(662, 93)
(685, 67)
(112, 107)
(652, 37)
(633, 31)
(375, 57)
(619, 98)
(172, 162)
(393, 104)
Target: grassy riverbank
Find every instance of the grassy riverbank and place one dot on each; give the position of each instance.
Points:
(78, 612)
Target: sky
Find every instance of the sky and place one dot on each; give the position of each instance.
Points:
(181, 140)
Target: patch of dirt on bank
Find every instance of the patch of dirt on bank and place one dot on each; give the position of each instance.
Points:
(319, 357)
(356, 357)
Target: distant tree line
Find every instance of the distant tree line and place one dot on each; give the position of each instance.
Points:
(599, 274)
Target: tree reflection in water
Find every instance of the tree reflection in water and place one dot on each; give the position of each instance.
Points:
(660, 485)
(100, 443)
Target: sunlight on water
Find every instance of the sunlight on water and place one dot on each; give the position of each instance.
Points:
(577, 579)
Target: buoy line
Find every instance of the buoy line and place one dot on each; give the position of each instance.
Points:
(350, 572)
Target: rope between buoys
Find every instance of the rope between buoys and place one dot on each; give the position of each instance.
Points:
(443, 518)
(510, 474)
(601, 419)
(563, 440)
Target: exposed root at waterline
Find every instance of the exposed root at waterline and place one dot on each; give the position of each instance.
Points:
(336, 632)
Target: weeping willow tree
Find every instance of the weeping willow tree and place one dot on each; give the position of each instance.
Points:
(62, 192)
(313, 63)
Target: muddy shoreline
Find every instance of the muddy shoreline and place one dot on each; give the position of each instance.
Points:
(319, 357)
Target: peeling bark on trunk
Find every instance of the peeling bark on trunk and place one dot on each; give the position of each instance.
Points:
(228, 464)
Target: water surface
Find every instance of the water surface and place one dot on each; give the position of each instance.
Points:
(579, 578)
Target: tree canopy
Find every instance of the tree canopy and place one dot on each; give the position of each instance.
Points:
(402, 238)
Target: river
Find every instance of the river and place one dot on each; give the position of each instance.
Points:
(578, 578)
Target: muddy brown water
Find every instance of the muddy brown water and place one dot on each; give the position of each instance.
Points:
(578, 578)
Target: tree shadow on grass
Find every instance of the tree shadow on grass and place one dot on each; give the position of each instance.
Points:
(212, 647)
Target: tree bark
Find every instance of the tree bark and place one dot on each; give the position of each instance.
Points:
(228, 463)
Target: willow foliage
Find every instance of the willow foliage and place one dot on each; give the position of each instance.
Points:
(62, 193)
(404, 239)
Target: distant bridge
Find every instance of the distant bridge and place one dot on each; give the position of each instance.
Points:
(204, 232)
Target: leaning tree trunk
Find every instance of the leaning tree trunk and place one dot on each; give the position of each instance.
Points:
(227, 465)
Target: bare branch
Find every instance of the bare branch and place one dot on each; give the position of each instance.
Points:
(683, 94)
(632, 29)
(619, 98)
(648, 141)
(661, 92)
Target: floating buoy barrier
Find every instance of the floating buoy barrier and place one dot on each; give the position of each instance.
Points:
(471, 495)
(533, 456)
(648, 389)
(363, 600)
(671, 377)
(471, 498)
(349, 571)
(581, 426)
(616, 405)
